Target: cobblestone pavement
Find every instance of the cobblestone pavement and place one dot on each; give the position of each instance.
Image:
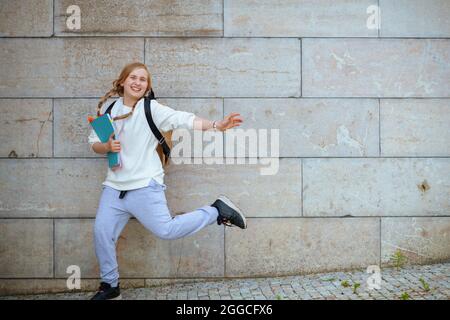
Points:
(430, 282)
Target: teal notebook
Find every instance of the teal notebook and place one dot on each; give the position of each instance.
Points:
(104, 127)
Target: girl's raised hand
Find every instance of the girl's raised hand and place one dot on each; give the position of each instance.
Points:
(230, 121)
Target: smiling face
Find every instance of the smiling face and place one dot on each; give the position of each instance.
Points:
(136, 84)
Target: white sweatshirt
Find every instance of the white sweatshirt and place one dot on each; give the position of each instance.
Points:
(140, 161)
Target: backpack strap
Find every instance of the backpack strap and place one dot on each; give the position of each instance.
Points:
(110, 108)
(156, 132)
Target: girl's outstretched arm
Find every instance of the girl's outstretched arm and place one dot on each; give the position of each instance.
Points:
(230, 121)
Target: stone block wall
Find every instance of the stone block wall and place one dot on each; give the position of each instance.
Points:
(363, 115)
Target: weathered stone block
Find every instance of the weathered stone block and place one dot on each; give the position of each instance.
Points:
(285, 246)
(313, 127)
(26, 247)
(220, 67)
(64, 67)
(375, 68)
(304, 18)
(376, 187)
(415, 127)
(26, 18)
(419, 239)
(142, 18)
(74, 245)
(50, 188)
(72, 128)
(415, 18)
(26, 128)
(194, 185)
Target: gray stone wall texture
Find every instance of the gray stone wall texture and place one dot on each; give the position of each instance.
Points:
(363, 114)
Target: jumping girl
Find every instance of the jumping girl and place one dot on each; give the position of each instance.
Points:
(137, 188)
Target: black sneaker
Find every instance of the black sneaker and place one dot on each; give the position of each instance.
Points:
(106, 292)
(229, 213)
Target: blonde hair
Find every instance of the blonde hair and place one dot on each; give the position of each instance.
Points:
(117, 89)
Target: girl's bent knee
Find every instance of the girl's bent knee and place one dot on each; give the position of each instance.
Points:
(165, 231)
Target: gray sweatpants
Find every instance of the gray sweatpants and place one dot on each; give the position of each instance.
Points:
(149, 206)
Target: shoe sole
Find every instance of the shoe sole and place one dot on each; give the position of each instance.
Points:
(119, 297)
(230, 203)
